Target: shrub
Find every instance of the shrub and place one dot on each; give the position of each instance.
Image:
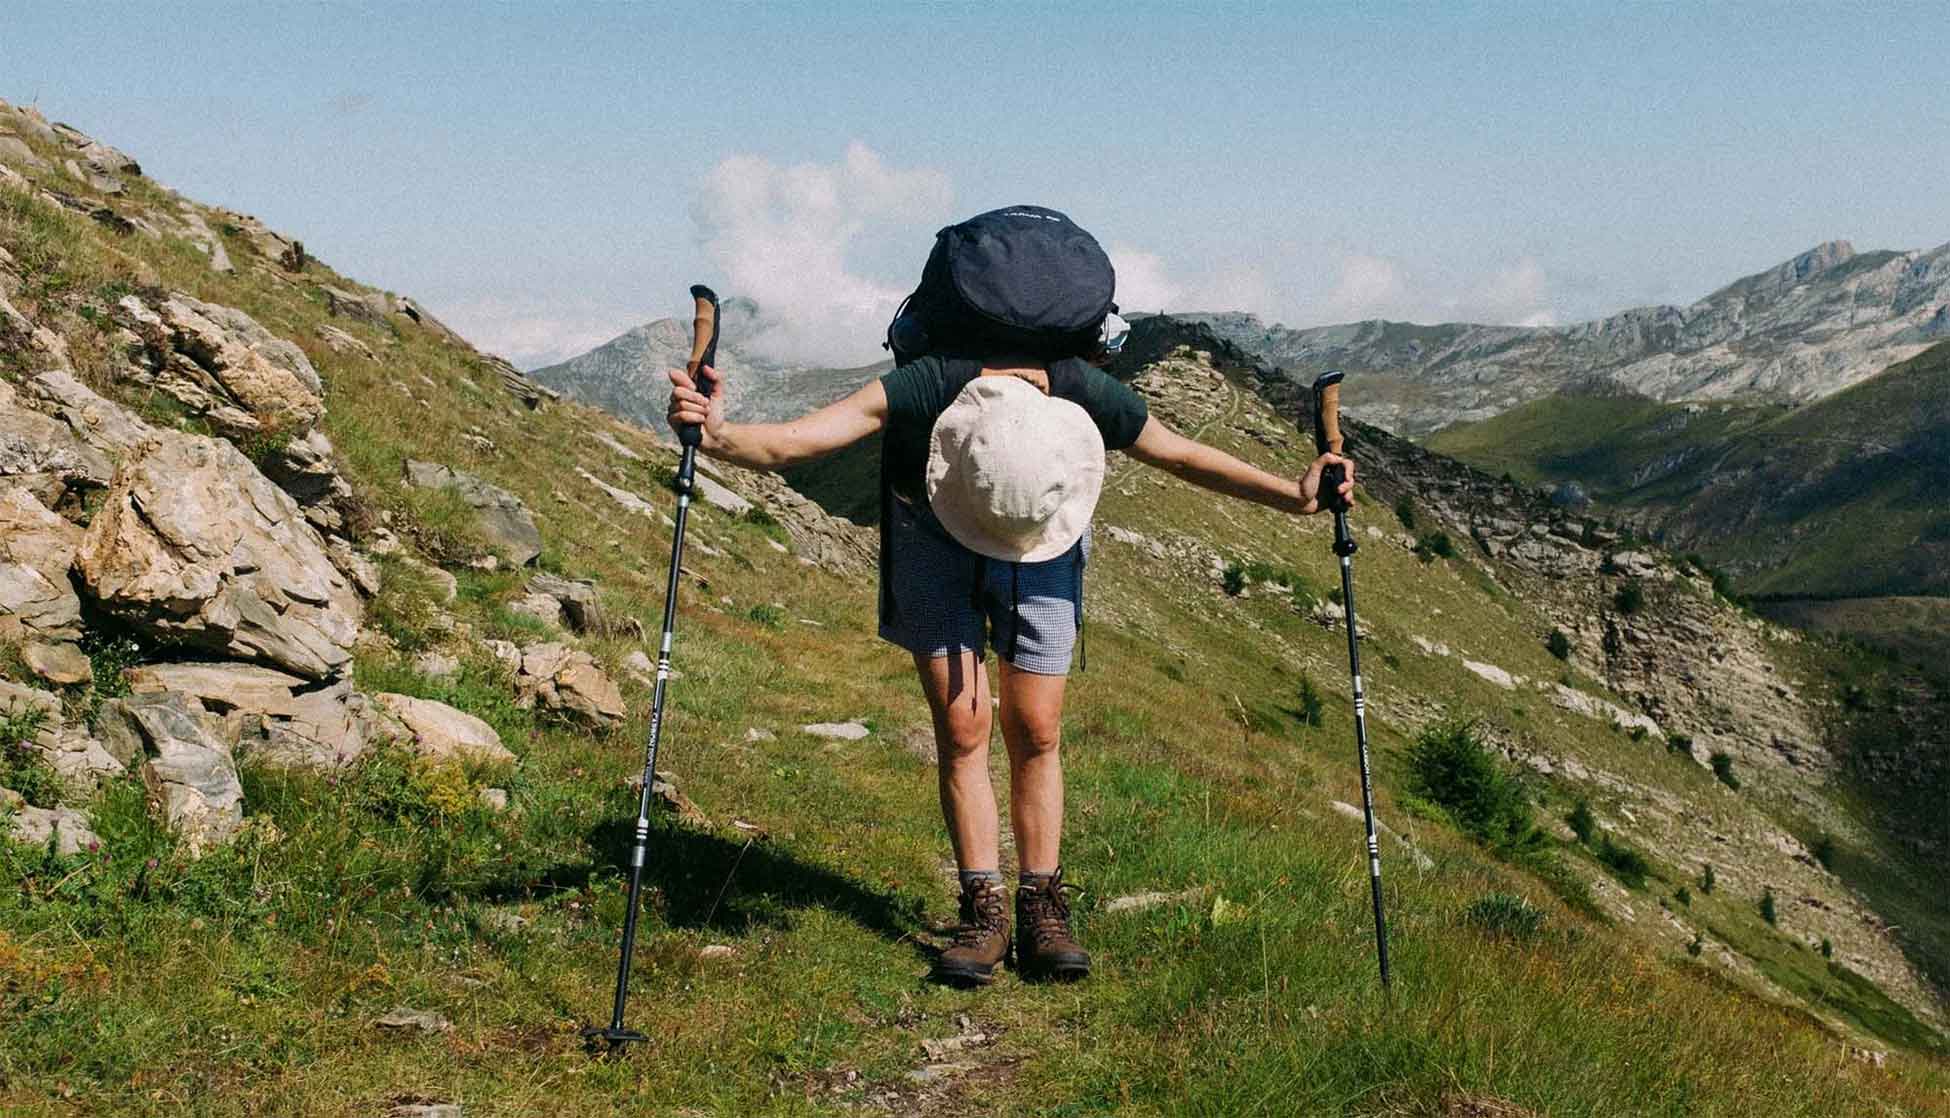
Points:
(1405, 512)
(1310, 701)
(1505, 914)
(1305, 597)
(1630, 598)
(1450, 767)
(1824, 851)
(1233, 580)
(1559, 644)
(770, 616)
(1707, 879)
(1679, 743)
(1698, 945)
(1626, 864)
(1767, 911)
(1435, 545)
(1684, 896)
(1827, 948)
(1583, 823)
(1723, 769)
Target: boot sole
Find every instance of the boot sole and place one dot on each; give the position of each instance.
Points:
(965, 976)
(1058, 970)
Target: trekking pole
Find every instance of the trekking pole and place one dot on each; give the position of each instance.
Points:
(704, 351)
(1327, 438)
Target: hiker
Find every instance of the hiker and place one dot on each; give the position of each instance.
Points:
(996, 420)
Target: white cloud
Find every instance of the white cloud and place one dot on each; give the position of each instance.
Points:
(1142, 284)
(789, 238)
(1366, 286)
(533, 335)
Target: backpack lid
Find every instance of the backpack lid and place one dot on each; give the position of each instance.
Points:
(1029, 269)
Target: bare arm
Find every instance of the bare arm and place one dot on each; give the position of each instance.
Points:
(775, 446)
(1214, 469)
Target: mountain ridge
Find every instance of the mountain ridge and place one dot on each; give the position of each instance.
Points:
(1806, 328)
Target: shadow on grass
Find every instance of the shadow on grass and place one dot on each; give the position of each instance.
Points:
(695, 879)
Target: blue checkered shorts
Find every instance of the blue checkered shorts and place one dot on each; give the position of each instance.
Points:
(946, 598)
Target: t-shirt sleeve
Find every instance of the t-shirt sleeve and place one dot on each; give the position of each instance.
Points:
(911, 393)
(1120, 413)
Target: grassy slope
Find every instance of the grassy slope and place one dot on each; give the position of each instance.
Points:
(1840, 498)
(246, 983)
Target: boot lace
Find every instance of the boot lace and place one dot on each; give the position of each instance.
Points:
(982, 915)
(1047, 910)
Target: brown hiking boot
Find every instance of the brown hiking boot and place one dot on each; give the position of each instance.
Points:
(1044, 946)
(982, 940)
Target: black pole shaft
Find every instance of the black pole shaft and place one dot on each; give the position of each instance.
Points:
(1344, 547)
(686, 475)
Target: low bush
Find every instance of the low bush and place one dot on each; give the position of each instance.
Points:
(1310, 701)
(1583, 824)
(1505, 914)
(1630, 598)
(1405, 512)
(1723, 769)
(1449, 766)
(1626, 864)
(1233, 580)
(1435, 545)
(1767, 909)
(1559, 644)
(1824, 851)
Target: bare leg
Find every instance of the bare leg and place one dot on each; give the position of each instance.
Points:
(957, 688)
(1032, 728)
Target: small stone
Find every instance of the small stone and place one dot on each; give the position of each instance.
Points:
(717, 951)
(754, 734)
(842, 731)
(57, 663)
(423, 1020)
(938, 1050)
(425, 1110)
(1138, 901)
(494, 799)
(438, 665)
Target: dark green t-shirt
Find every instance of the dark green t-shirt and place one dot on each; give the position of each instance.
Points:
(918, 392)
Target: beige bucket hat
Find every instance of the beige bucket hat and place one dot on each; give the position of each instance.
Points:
(1014, 474)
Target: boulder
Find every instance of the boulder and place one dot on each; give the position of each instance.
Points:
(839, 731)
(557, 678)
(439, 732)
(344, 344)
(194, 545)
(14, 150)
(500, 515)
(67, 827)
(538, 607)
(371, 308)
(576, 598)
(188, 768)
(98, 156)
(37, 548)
(40, 453)
(79, 760)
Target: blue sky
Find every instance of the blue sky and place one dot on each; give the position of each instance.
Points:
(545, 176)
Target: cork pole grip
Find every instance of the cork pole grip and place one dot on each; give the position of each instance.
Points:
(1329, 436)
(704, 330)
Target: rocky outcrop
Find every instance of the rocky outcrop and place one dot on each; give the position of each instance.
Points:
(566, 681)
(37, 548)
(440, 733)
(219, 363)
(269, 717)
(575, 603)
(186, 765)
(43, 455)
(80, 761)
(500, 515)
(193, 545)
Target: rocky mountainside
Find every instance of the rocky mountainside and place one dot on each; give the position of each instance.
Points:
(1809, 327)
(324, 680)
(625, 375)
(1842, 497)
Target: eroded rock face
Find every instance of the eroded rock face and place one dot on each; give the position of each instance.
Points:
(501, 516)
(220, 363)
(567, 681)
(68, 827)
(193, 544)
(438, 731)
(78, 759)
(268, 716)
(105, 426)
(40, 454)
(36, 550)
(187, 765)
